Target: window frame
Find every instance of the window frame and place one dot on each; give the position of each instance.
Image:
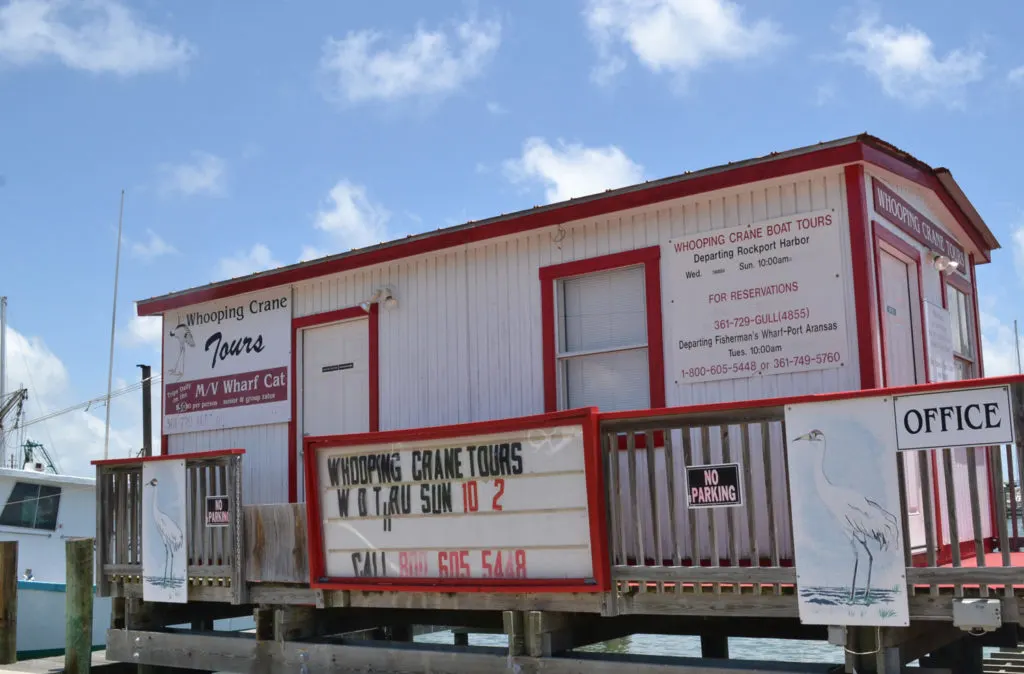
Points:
(965, 287)
(650, 259)
(38, 498)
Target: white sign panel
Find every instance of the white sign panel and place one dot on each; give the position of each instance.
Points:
(508, 506)
(847, 531)
(939, 340)
(227, 363)
(759, 299)
(975, 417)
(164, 532)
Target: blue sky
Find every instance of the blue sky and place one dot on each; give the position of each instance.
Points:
(249, 139)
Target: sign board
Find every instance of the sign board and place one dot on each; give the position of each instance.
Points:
(714, 486)
(759, 299)
(974, 417)
(939, 343)
(899, 212)
(218, 514)
(847, 529)
(227, 363)
(164, 532)
(504, 506)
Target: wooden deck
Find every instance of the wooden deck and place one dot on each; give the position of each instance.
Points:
(99, 664)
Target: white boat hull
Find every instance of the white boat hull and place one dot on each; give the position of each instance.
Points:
(42, 619)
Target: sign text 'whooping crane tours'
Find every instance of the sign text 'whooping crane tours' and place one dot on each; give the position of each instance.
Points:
(226, 364)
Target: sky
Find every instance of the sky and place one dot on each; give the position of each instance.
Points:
(248, 139)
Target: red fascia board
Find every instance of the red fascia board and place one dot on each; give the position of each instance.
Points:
(194, 456)
(697, 410)
(847, 153)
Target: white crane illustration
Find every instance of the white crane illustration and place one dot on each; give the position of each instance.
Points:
(182, 333)
(169, 532)
(865, 523)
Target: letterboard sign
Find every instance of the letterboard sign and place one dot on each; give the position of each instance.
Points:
(975, 417)
(505, 506)
(714, 486)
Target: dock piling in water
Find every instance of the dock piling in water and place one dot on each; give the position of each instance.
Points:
(79, 565)
(8, 602)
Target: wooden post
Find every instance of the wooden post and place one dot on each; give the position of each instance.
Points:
(8, 602)
(78, 605)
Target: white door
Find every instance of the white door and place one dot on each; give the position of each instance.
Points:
(336, 378)
(899, 295)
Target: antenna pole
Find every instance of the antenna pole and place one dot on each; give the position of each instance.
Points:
(1016, 341)
(113, 323)
(3, 374)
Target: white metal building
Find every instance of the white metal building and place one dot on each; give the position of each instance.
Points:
(625, 299)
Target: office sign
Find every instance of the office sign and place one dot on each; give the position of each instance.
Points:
(714, 486)
(975, 417)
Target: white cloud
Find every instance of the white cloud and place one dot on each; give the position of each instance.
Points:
(75, 438)
(311, 253)
(998, 346)
(153, 248)
(98, 36)
(258, 258)
(427, 63)
(570, 171)
(676, 36)
(142, 331)
(203, 175)
(496, 108)
(904, 61)
(1016, 75)
(351, 219)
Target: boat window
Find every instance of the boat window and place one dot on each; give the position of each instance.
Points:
(31, 505)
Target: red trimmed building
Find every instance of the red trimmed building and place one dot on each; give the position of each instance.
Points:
(634, 298)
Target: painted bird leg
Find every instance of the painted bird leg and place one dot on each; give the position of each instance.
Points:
(856, 562)
(871, 561)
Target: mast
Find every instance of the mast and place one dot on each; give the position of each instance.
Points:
(113, 322)
(3, 374)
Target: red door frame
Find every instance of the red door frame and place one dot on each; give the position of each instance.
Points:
(373, 388)
(893, 244)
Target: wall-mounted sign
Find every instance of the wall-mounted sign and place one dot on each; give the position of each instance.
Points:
(165, 531)
(509, 506)
(227, 363)
(759, 299)
(938, 333)
(899, 212)
(218, 514)
(847, 530)
(337, 368)
(975, 417)
(717, 486)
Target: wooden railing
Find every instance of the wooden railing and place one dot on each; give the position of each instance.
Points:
(659, 545)
(215, 554)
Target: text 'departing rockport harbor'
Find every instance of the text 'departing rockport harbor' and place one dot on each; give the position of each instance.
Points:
(504, 506)
(759, 299)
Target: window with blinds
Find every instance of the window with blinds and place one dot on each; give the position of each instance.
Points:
(602, 340)
(960, 314)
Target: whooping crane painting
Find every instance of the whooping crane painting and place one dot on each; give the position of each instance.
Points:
(847, 527)
(164, 531)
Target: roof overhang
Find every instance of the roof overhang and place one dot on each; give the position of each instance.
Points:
(847, 150)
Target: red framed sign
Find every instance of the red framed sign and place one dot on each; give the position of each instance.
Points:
(515, 505)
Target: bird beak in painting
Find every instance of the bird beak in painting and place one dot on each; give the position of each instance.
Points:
(805, 436)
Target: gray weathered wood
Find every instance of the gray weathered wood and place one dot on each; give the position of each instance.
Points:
(276, 548)
(246, 655)
(78, 562)
(707, 574)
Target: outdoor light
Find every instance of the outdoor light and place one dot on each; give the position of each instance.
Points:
(944, 264)
(381, 295)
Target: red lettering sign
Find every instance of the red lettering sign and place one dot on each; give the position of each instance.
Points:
(899, 212)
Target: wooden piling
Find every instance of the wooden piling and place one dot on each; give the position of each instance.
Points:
(8, 602)
(79, 569)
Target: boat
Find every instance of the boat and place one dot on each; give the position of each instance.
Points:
(41, 510)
